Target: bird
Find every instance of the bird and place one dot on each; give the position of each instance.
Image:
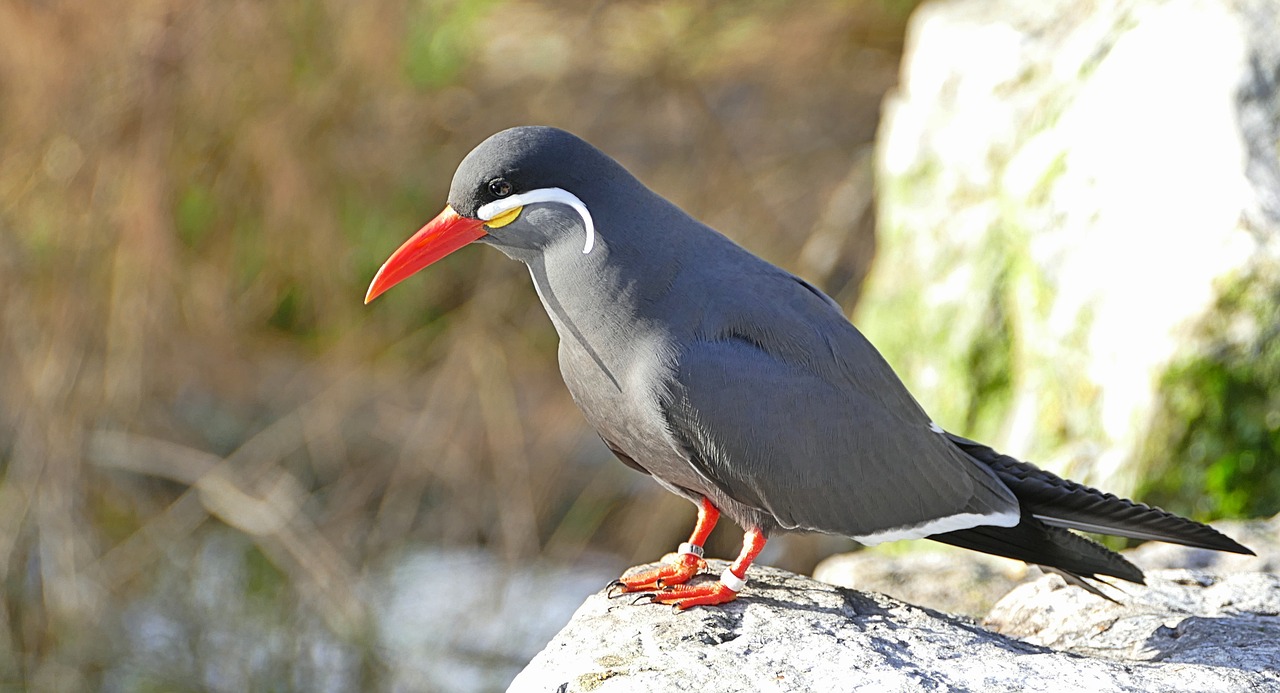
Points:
(744, 388)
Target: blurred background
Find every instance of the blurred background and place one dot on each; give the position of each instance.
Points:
(220, 471)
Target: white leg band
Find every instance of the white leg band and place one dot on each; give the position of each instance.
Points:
(733, 582)
(691, 549)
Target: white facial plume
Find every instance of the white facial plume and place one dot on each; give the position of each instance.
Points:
(556, 195)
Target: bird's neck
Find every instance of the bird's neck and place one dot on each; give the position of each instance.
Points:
(605, 293)
(610, 306)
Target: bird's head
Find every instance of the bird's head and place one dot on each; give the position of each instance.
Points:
(519, 190)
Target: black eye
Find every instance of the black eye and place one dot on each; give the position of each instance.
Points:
(499, 187)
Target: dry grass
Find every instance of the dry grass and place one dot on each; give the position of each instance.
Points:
(193, 197)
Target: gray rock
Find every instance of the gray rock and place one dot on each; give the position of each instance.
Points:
(1179, 616)
(790, 633)
(936, 576)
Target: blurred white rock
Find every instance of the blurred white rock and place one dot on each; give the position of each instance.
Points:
(1064, 193)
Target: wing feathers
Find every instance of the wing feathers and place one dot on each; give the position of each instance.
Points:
(1062, 503)
(1035, 542)
(814, 451)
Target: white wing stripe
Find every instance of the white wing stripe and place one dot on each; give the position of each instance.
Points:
(950, 523)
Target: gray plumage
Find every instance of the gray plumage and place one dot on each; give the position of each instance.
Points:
(724, 376)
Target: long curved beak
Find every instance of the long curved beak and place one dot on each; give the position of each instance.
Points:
(441, 236)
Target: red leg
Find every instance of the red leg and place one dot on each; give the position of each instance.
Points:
(727, 587)
(686, 566)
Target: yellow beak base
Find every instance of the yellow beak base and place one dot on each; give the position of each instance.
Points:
(503, 219)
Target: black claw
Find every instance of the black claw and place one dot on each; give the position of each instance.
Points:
(608, 590)
(652, 599)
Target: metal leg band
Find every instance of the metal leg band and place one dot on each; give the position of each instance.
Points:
(691, 549)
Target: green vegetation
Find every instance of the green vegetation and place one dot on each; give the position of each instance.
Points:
(989, 369)
(1214, 450)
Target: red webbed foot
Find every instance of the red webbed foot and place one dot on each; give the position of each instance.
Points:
(685, 567)
(721, 591)
(665, 584)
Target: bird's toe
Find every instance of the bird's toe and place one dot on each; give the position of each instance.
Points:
(705, 594)
(661, 577)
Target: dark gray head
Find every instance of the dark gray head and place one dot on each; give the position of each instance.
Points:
(524, 159)
(521, 190)
(564, 177)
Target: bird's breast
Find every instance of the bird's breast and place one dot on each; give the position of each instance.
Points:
(616, 391)
(615, 357)
(622, 401)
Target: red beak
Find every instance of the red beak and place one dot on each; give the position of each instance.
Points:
(441, 236)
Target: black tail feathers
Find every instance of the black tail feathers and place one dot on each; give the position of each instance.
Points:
(1036, 542)
(1051, 505)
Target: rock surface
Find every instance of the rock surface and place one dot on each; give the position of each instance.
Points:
(1179, 616)
(790, 633)
(934, 576)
